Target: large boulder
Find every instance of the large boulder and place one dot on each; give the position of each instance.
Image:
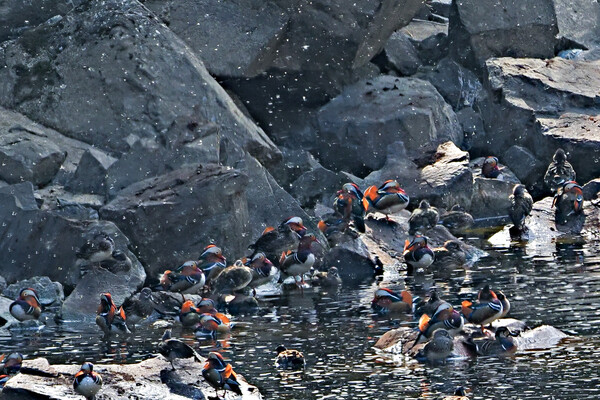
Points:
(109, 73)
(171, 218)
(430, 38)
(401, 54)
(579, 21)
(543, 105)
(490, 195)
(42, 243)
(372, 114)
(481, 29)
(90, 175)
(49, 292)
(17, 16)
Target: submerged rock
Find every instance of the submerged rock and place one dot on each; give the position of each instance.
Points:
(149, 380)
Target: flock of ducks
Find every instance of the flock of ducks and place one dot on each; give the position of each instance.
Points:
(286, 251)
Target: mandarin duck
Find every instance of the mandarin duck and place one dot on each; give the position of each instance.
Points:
(263, 271)
(211, 325)
(505, 303)
(568, 202)
(457, 220)
(87, 382)
(490, 168)
(9, 366)
(521, 205)
(501, 345)
(172, 349)
(208, 306)
(289, 359)
(211, 261)
(433, 304)
(328, 279)
(299, 262)
(559, 171)
(487, 310)
(232, 279)
(220, 375)
(140, 308)
(388, 199)
(386, 300)
(110, 318)
(349, 203)
(187, 278)
(274, 241)
(189, 316)
(26, 306)
(446, 317)
(417, 254)
(333, 227)
(423, 218)
(449, 256)
(439, 347)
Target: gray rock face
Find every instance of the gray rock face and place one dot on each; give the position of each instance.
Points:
(579, 21)
(42, 243)
(16, 16)
(543, 105)
(171, 218)
(235, 39)
(370, 115)
(109, 73)
(49, 292)
(401, 54)
(483, 29)
(490, 196)
(23, 195)
(90, 175)
(472, 126)
(430, 39)
(26, 157)
(526, 167)
(457, 85)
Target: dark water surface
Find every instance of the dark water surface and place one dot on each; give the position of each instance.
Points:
(337, 331)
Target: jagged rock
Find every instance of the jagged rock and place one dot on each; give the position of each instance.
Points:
(17, 16)
(457, 85)
(578, 21)
(236, 39)
(391, 109)
(315, 186)
(353, 261)
(295, 162)
(591, 189)
(483, 29)
(109, 73)
(490, 196)
(56, 198)
(472, 125)
(543, 105)
(430, 39)
(90, 175)
(23, 195)
(401, 54)
(526, 167)
(27, 157)
(441, 7)
(42, 243)
(148, 380)
(49, 292)
(73, 210)
(171, 218)
(3, 283)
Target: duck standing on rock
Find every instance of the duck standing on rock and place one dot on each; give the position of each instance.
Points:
(289, 359)
(96, 250)
(141, 308)
(298, 263)
(449, 256)
(26, 306)
(559, 171)
(490, 168)
(423, 218)
(273, 241)
(220, 375)
(502, 345)
(263, 271)
(521, 205)
(212, 262)
(232, 279)
(87, 382)
(457, 220)
(174, 348)
(110, 318)
(417, 254)
(386, 300)
(349, 202)
(388, 199)
(9, 366)
(505, 303)
(568, 202)
(187, 278)
(484, 312)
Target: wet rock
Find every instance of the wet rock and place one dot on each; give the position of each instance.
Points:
(3, 284)
(26, 157)
(248, 45)
(401, 54)
(457, 85)
(430, 38)
(171, 218)
(149, 380)
(294, 163)
(49, 292)
(42, 243)
(490, 196)
(113, 82)
(483, 29)
(398, 109)
(56, 198)
(543, 105)
(90, 175)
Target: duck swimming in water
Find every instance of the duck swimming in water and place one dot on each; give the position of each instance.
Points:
(449, 256)
(328, 279)
(417, 253)
(439, 347)
(110, 318)
(289, 359)
(386, 300)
